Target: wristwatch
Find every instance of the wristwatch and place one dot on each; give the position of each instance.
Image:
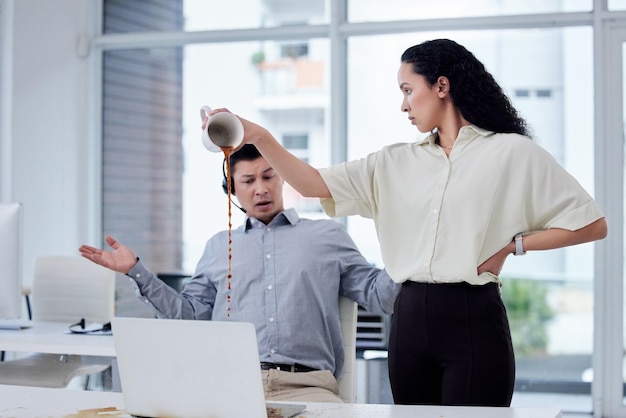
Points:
(519, 244)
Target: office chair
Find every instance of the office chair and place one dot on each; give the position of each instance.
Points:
(64, 289)
(348, 316)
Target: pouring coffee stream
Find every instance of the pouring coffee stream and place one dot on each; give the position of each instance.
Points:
(227, 151)
(223, 133)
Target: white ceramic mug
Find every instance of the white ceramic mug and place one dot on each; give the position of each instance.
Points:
(223, 129)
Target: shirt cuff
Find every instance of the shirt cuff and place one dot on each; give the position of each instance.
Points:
(140, 273)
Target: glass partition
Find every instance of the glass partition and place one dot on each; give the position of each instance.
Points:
(203, 15)
(616, 4)
(371, 10)
(284, 92)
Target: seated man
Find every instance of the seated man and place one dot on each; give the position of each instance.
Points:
(287, 275)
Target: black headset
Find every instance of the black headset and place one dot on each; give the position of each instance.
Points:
(232, 186)
(225, 180)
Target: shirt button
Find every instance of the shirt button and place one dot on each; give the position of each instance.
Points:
(271, 319)
(269, 287)
(435, 211)
(268, 256)
(138, 275)
(269, 229)
(273, 351)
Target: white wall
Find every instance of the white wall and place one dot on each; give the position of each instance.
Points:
(43, 117)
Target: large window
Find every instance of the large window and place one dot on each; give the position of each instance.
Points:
(289, 95)
(323, 78)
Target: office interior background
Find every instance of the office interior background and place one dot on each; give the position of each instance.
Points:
(100, 134)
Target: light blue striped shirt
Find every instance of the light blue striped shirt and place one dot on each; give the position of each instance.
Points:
(286, 280)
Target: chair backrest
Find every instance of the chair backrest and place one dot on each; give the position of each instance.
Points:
(68, 288)
(348, 315)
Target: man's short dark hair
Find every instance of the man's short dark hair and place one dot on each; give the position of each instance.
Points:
(248, 152)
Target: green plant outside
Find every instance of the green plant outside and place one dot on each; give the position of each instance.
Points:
(257, 58)
(528, 311)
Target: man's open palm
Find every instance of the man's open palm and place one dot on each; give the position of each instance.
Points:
(121, 259)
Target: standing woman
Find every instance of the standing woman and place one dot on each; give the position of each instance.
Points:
(448, 211)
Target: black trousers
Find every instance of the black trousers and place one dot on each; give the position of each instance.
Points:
(450, 344)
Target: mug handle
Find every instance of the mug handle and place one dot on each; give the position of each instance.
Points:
(206, 141)
(204, 112)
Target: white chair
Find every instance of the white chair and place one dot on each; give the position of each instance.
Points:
(348, 315)
(64, 289)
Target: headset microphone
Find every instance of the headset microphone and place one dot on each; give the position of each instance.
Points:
(237, 206)
(232, 187)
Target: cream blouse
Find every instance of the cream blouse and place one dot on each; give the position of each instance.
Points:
(438, 218)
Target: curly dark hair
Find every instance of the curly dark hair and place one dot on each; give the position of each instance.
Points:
(472, 88)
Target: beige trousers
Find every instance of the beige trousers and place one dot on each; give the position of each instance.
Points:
(318, 386)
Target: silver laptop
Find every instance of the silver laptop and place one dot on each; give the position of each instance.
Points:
(184, 368)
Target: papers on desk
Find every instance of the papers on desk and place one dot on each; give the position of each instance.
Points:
(14, 325)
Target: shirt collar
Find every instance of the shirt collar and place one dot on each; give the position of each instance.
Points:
(286, 217)
(465, 133)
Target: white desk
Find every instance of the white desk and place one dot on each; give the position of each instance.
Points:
(52, 337)
(49, 337)
(16, 401)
